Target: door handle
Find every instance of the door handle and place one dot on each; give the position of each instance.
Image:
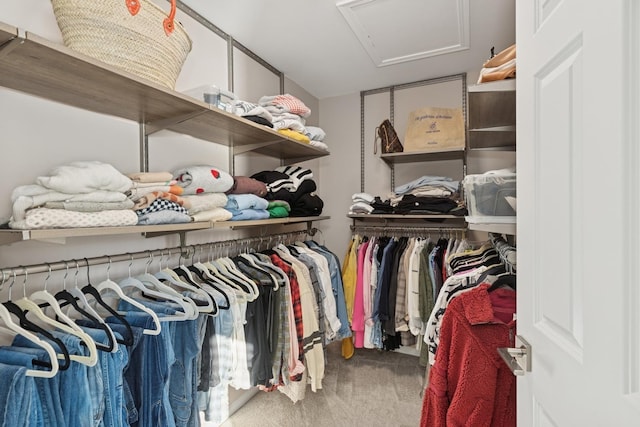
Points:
(518, 358)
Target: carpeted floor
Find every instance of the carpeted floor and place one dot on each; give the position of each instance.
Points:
(373, 389)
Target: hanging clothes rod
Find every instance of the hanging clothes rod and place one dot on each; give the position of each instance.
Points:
(23, 270)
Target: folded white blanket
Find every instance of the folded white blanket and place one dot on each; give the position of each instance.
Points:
(203, 179)
(60, 218)
(360, 207)
(31, 196)
(150, 176)
(362, 197)
(244, 108)
(213, 215)
(90, 206)
(205, 202)
(85, 177)
(169, 181)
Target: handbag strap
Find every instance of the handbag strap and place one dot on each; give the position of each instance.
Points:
(134, 7)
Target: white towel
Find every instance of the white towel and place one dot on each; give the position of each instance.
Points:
(85, 177)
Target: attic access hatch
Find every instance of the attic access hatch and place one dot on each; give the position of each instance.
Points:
(396, 31)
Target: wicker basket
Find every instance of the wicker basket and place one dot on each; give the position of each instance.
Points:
(133, 35)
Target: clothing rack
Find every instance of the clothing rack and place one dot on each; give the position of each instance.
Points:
(228, 247)
(406, 231)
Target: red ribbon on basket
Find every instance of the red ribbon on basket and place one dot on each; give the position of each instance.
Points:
(168, 24)
(133, 6)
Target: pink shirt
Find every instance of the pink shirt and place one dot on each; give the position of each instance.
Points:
(357, 324)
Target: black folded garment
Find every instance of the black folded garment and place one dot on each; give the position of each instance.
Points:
(428, 205)
(381, 207)
(309, 204)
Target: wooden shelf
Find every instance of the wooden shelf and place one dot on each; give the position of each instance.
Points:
(264, 222)
(410, 221)
(59, 234)
(505, 228)
(423, 156)
(493, 138)
(492, 105)
(401, 217)
(495, 86)
(10, 236)
(36, 66)
(499, 224)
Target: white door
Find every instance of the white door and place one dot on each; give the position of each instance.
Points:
(578, 109)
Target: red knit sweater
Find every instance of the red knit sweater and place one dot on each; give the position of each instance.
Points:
(469, 384)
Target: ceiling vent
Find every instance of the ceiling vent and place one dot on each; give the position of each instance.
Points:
(396, 31)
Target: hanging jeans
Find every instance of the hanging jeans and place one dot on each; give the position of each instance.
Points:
(111, 366)
(123, 412)
(18, 398)
(148, 373)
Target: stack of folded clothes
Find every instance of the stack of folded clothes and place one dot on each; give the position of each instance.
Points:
(361, 203)
(79, 194)
(247, 207)
(428, 195)
(294, 185)
(284, 113)
(156, 198)
(204, 190)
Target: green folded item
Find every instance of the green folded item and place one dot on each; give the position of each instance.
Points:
(278, 212)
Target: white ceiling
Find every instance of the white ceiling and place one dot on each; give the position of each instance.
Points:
(313, 44)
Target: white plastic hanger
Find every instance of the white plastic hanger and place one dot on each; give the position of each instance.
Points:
(188, 306)
(131, 285)
(11, 326)
(81, 298)
(173, 278)
(30, 305)
(220, 270)
(233, 269)
(110, 285)
(211, 271)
